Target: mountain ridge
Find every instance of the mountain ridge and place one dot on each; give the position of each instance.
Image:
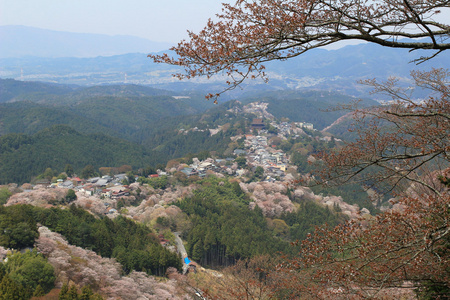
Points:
(319, 69)
(19, 41)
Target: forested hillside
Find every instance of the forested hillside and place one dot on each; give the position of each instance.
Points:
(29, 117)
(95, 120)
(156, 125)
(11, 89)
(36, 143)
(133, 245)
(60, 95)
(224, 230)
(24, 156)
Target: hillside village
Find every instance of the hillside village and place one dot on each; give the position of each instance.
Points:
(261, 170)
(258, 163)
(256, 153)
(256, 150)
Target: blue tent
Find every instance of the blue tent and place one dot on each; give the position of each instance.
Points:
(186, 260)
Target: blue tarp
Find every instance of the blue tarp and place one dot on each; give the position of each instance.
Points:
(187, 261)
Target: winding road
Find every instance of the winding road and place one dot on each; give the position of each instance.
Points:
(181, 250)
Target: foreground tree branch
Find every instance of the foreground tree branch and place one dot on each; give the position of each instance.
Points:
(405, 146)
(399, 142)
(250, 32)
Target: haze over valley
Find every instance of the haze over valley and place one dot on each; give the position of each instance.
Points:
(102, 60)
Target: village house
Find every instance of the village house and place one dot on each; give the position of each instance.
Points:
(88, 190)
(189, 171)
(116, 192)
(68, 184)
(120, 177)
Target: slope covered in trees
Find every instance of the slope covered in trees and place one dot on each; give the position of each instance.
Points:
(152, 118)
(26, 155)
(28, 117)
(118, 110)
(178, 136)
(223, 228)
(227, 226)
(126, 115)
(24, 275)
(11, 89)
(42, 92)
(56, 146)
(133, 245)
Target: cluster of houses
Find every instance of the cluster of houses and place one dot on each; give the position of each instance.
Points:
(259, 153)
(200, 169)
(296, 128)
(256, 151)
(304, 125)
(105, 186)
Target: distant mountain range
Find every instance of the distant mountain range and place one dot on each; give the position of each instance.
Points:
(59, 57)
(19, 41)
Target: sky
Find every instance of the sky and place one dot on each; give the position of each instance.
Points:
(156, 20)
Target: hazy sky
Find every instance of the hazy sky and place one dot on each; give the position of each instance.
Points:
(157, 20)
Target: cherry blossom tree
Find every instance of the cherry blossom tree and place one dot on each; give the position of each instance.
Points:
(404, 147)
(401, 143)
(85, 268)
(270, 197)
(250, 33)
(38, 197)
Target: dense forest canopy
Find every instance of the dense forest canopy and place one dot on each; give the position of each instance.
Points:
(24, 156)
